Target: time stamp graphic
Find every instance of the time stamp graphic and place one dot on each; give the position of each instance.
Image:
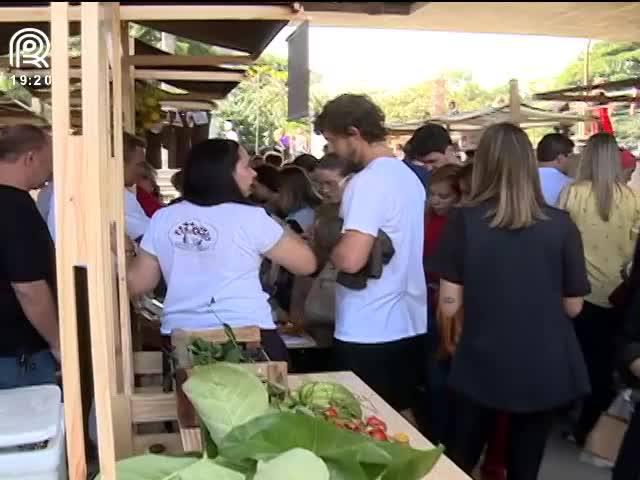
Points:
(30, 48)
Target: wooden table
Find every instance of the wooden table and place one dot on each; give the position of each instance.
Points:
(372, 404)
(445, 469)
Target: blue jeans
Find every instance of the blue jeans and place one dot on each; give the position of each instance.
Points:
(27, 370)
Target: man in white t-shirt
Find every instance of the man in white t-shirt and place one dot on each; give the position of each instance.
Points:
(136, 221)
(553, 153)
(380, 330)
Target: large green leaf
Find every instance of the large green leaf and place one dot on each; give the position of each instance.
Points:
(409, 462)
(225, 396)
(293, 465)
(159, 467)
(348, 455)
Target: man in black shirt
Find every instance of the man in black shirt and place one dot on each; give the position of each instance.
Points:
(29, 336)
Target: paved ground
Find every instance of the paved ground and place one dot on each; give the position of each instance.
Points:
(562, 463)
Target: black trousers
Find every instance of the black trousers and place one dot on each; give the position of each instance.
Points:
(472, 424)
(628, 466)
(596, 328)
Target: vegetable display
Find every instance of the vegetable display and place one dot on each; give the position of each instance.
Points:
(306, 435)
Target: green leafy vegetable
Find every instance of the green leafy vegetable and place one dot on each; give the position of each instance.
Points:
(348, 455)
(225, 396)
(204, 352)
(293, 465)
(318, 396)
(159, 467)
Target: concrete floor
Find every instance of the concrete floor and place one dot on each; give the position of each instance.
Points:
(562, 462)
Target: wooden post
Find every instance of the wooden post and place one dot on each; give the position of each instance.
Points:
(124, 350)
(128, 79)
(514, 102)
(67, 172)
(95, 126)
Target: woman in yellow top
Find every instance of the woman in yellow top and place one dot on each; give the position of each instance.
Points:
(607, 213)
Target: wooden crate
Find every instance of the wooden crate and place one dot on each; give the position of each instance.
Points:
(151, 407)
(181, 339)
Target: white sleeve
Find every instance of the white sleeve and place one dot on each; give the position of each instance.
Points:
(148, 240)
(264, 231)
(136, 221)
(51, 220)
(364, 206)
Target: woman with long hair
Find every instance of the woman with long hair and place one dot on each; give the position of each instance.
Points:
(209, 248)
(297, 199)
(444, 194)
(517, 268)
(313, 299)
(607, 213)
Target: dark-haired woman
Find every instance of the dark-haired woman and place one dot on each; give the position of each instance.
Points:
(209, 248)
(297, 199)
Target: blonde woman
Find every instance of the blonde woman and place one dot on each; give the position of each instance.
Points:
(517, 268)
(607, 213)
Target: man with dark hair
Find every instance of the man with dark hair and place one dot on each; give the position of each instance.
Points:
(430, 147)
(27, 275)
(136, 221)
(274, 159)
(553, 157)
(379, 329)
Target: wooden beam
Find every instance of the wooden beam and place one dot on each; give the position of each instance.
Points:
(124, 332)
(514, 102)
(189, 75)
(196, 97)
(123, 429)
(95, 127)
(617, 84)
(417, 6)
(562, 97)
(153, 407)
(188, 60)
(128, 80)
(205, 12)
(33, 14)
(67, 159)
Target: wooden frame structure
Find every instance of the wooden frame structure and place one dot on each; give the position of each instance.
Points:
(88, 169)
(92, 288)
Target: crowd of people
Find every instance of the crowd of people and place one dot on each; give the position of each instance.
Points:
(481, 299)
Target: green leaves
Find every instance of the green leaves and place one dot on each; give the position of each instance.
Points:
(293, 465)
(158, 467)
(349, 456)
(225, 396)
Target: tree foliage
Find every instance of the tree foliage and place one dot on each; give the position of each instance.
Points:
(608, 61)
(258, 106)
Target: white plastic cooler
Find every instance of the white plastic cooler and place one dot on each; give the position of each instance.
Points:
(29, 416)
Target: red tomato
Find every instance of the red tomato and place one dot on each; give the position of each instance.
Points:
(378, 434)
(354, 427)
(376, 423)
(331, 412)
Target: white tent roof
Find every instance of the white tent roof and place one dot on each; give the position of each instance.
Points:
(530, 117)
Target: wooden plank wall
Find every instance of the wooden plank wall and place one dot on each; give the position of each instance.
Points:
(69, 173)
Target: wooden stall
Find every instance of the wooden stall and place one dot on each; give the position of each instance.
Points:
(92, 95)
(89, 102)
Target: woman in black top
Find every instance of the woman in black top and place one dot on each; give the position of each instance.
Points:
(517, 266)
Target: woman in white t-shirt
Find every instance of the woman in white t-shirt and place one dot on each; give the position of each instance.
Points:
(209, 248)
